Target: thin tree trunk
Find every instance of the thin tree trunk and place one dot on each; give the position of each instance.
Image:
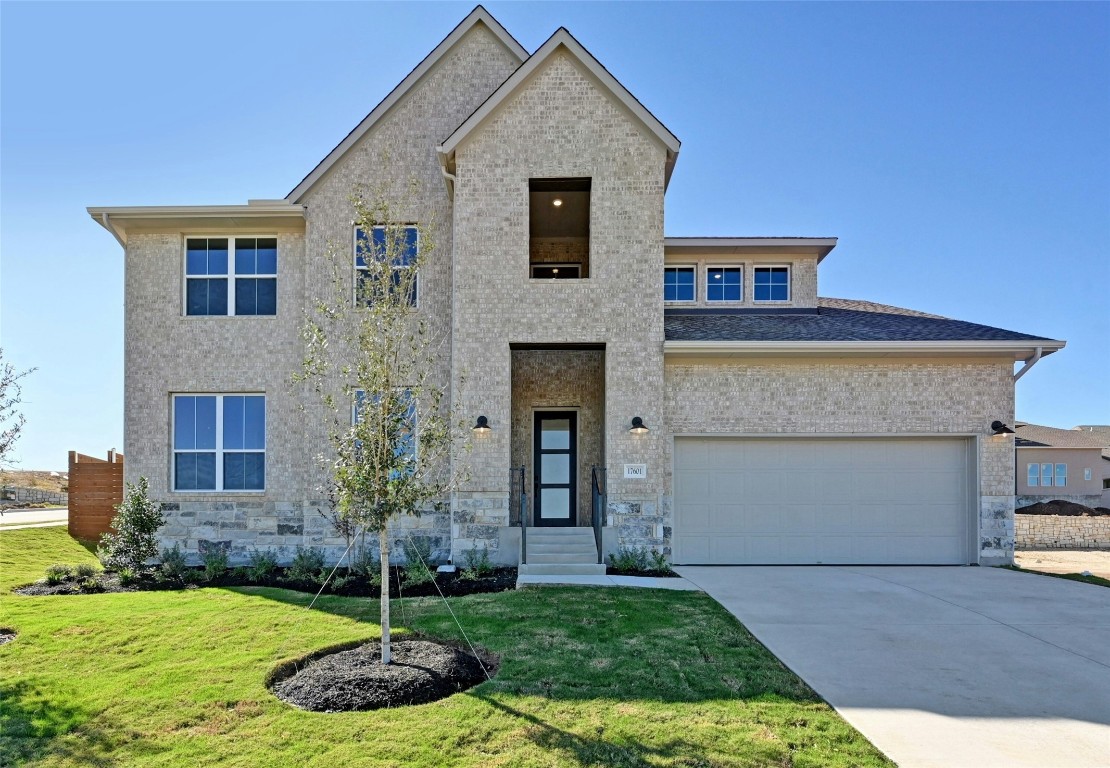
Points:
(383, 542)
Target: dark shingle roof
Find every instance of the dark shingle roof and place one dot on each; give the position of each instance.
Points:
(1036, 435)
(834, 320)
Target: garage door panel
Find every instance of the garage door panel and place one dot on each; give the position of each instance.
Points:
(839, 500)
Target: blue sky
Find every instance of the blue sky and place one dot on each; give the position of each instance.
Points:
(960, 151)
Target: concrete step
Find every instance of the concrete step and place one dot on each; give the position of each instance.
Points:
(561, 547)
(562, 569)
(562, 557)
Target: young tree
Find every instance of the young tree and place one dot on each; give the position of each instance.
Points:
(11, 395)
(370, 359)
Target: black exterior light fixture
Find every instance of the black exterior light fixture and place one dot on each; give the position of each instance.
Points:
(482, 426)
(1000, 428)
(638, 427)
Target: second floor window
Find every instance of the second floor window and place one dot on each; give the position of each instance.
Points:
(724, 284)
(231, 276)
(376, 248)
(678, 283)
(772, 284)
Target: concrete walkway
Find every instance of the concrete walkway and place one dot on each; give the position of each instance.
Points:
(610, 581)
(14, 519)
(941, 667)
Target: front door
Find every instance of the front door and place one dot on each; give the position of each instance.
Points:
(555, 461)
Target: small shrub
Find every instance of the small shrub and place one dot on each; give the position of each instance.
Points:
(136, 522)
(57, 573)
(629, 559)
(263, 565)
(659, 562)
(418, 574)
(215, 563)
(366, 564)
(90, 584)
(478, 565)
(85, 570)
(418, 550)
(173, 565)
(338, 583)
(127, 577)
(307, 565)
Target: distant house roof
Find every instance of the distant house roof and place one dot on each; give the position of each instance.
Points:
(1099, 432)
(1038, 436)
(835, 320)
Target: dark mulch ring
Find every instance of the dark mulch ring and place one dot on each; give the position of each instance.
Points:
(6, 635)
(450, 584)
(611, 571)
(352, 680)
(1063, 508)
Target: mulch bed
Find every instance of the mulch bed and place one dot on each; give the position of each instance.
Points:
(1062, 508)
(611, 571)
(451, 584)
(421, 671)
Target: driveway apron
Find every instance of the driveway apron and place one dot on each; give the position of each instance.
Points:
(940, 666)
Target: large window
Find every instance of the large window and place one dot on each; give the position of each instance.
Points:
(219, 442)
(678, 283)
(1050, 475)
(230, 276)
(724, 284)
(772, 284)
(401, 255)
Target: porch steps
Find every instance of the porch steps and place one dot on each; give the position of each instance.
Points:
(561, 552)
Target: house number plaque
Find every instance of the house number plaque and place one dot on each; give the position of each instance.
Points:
(635, 471)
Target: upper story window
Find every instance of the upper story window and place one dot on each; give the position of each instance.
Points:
(724, 284)
(559, 228)
(401, 254)
(678, 283)
(406, 446)
(219, 442)
(772, 284)
(231, 276)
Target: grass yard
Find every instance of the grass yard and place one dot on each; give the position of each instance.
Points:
(605, 677)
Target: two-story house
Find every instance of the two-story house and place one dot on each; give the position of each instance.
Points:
(739, 417)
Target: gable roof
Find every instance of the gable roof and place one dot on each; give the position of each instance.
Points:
(1038, 436)
(478, 16)
(841, 326)
(563, 40)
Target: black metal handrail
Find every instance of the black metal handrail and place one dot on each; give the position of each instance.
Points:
(519, 487)
(598, 494)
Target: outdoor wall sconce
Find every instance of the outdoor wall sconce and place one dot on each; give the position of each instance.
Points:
(638, 427)
(1000, 428)
(482, 426)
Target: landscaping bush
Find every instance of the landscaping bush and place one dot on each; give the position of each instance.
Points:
(263, 565)
(173, 565)
(215, 563)
(478, 565)
(419, 568)
(136, 522)
(659, 561)
(367, 565)
(57, 573)
(630, 559)
(127, 577)
(308, 566)
(85, 571)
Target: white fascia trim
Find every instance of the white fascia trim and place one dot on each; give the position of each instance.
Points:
(735, 245)
(478, 16)
(1019, 350)
(115, 219)
(561, 39)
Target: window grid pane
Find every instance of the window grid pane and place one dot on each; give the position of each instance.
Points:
(238, 448)
(772, 283)
(724, 284)
(374, 248)
(1034, 475)
(1046, 474)
(678, 284)
(1061, 475)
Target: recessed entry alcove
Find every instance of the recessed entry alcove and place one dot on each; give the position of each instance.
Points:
(559, 229)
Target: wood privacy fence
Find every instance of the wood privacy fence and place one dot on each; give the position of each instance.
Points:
(95, 488)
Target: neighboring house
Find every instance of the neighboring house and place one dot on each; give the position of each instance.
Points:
(1057, 464)
(1101, 432)
(741, 418)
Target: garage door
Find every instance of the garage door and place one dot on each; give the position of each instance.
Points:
(794, 500)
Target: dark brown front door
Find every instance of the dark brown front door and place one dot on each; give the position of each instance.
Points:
(555, 462)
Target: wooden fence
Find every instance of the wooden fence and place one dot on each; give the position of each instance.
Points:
(95, 488)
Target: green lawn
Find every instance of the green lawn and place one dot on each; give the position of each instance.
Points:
(605, 677)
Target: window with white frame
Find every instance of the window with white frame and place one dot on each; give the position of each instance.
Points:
(1050, 475)
(219, 442)
(373, 249)
(1086, 473)
(231, 276)
(1061, 475)
(407, 445)
(771, 284)
(678, 283)
(1033, 478)
(724, 284)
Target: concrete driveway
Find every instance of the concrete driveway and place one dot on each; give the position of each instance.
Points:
(940, 666)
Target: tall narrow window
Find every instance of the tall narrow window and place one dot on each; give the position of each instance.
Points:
(559, 228)
(231, 276)
(219, 442)
(1046, 474)
(406, 445)
(1034, 475)
(724, 284)
(772, 284)
(400, 252)
(1061, 475)
(678, 283)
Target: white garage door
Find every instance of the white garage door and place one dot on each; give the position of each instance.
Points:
(800, 500)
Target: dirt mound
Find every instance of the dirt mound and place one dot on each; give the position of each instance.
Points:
(355, 679)
(1063, 508)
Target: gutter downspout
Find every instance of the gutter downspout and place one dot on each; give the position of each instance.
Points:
(1029, 364)
(108, 226)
